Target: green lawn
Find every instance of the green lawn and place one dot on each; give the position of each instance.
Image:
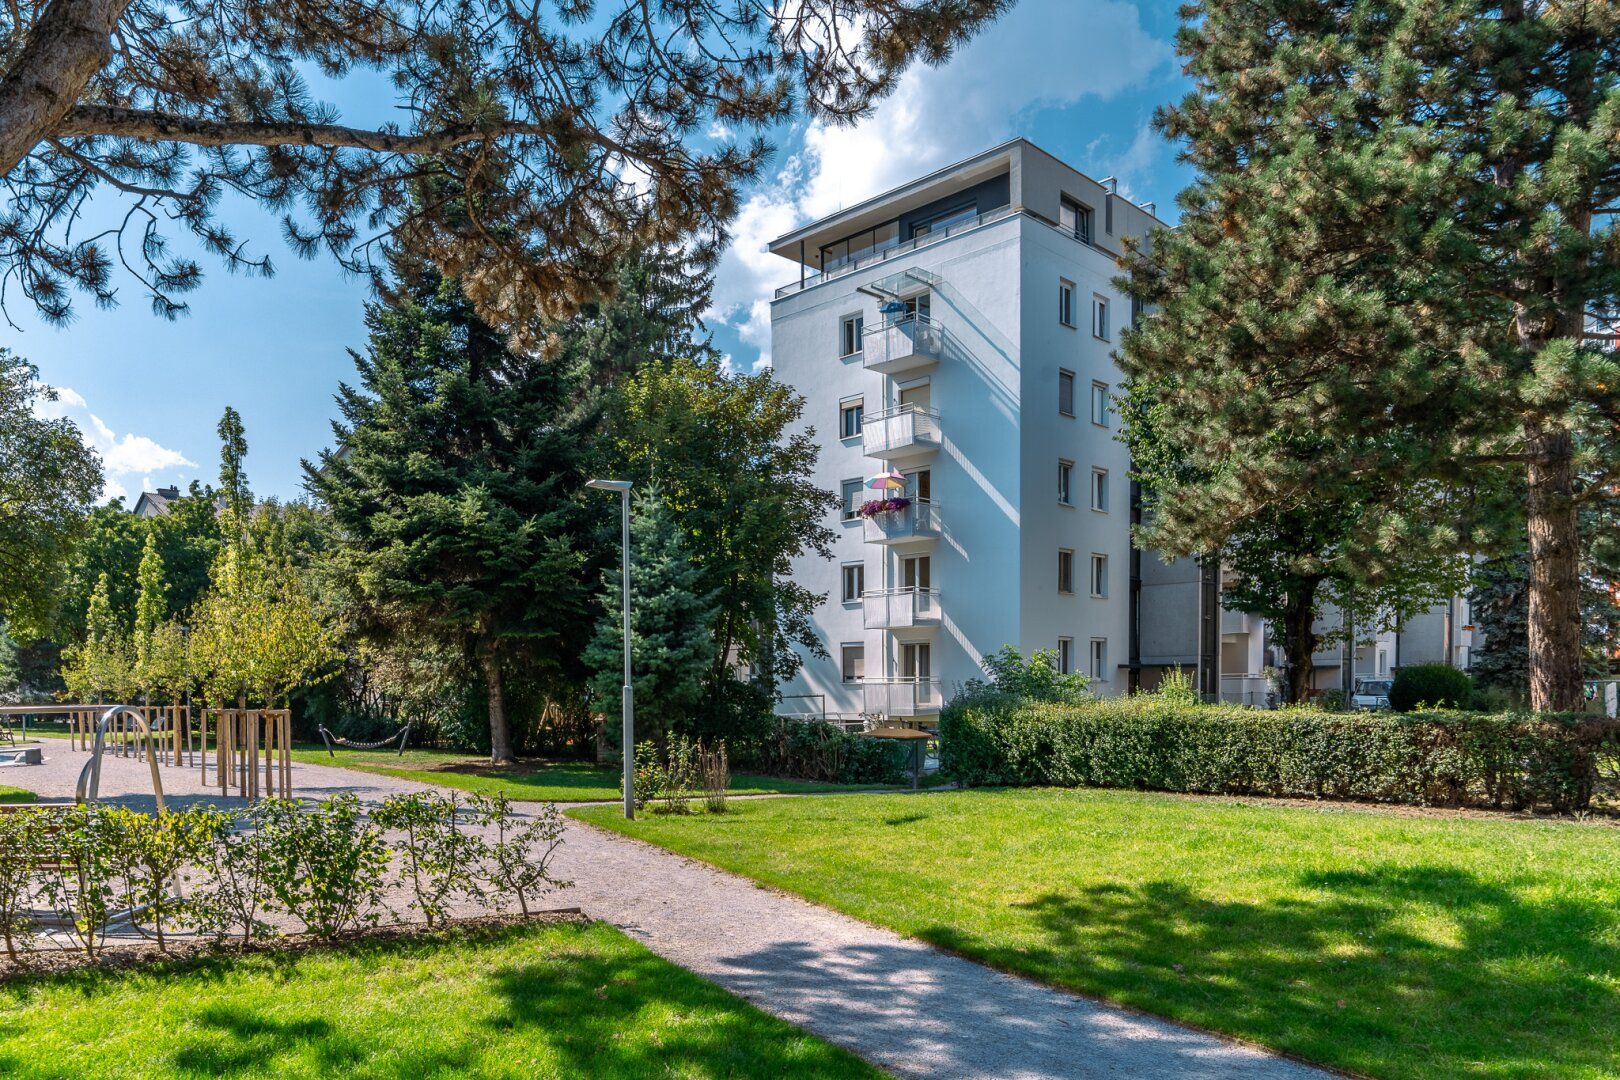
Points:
(10, 794)
(544, 781)
(537, 1001)
(1391, 944)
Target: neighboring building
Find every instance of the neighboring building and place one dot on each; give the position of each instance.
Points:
(155, 503)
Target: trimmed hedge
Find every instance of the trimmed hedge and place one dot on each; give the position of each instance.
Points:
(1156, 743)
(1419, 686)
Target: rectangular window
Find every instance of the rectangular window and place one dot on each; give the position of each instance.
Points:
(1065, 478)
(1099, 490)
(1065, 571)
(850, 415)
(854, 493)
(1099, 575)
(854, 663)
(1066, 303)
(1099, 659)
(854, 582)
(1099, 317)
(849, 341)
(1099, 403)
(1066, 392)
(1065, 655)
(1075, 219)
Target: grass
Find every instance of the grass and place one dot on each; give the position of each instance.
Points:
(554, 781)
(1396, 945)
(10, 794)
(535, 1001)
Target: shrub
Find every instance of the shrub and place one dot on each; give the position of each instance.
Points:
(517, 858)
(25, 844)
(155, 849)
(714, 773)
(439, 857)
(1148, 742)
(1430, 686)
(81, 877)
(235, 862)
(325, 866)
(812, 750)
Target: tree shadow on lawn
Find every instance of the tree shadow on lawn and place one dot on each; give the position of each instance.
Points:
(1391, 970)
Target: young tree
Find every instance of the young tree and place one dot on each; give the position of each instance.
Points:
(672, 623)
(740, 487)
(151, 609)
(538, 145)
(48, 479)
(233, 485)
(102, 665)
(1398, 237)
(456, 499)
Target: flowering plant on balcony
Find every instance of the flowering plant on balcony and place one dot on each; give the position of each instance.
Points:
(875, 507)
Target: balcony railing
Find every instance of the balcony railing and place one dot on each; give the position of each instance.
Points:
(900, 433)
(880, 254)
(919, 521)
(901, 696)
(909, 343)
(900, 609)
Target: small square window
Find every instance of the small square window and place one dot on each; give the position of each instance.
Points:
(1099, 404)
(1065, 655)
(1099, 490)
(1099, 575)
(1066, 393)
(1066, 303)
(1065, 482)
(850, 415)
(854, 661)
(1099, 659)
(854, 582)
(1065, 571)
(850, 335)
(853, 495)
(1099, 317)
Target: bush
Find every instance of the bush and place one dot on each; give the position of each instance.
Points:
(325, 866)
(25, 842)
(517, 856)
(439, 858)
(1148, 742)
(1430, 686)
(812, 750)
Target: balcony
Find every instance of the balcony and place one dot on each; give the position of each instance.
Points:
(910, 343)
(900, 609)
(917, 523)
(900, 697)
(900, 434)
(1239, 622)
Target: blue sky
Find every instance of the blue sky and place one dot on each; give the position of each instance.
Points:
(1079, 77)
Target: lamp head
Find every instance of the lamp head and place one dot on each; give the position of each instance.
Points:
(609, 485)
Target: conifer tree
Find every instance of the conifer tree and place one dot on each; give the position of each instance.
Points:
(233, 485)
(671, 624)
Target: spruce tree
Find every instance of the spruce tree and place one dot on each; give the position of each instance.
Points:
(672, 621)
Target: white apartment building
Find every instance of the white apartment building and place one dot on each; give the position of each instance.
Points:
(958, 331)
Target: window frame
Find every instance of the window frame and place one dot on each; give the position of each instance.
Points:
(1097, 575)
(1099, 403)
(851, 510)
(1100, 322)
(1099, 489)
(851, 327)
(844, 654)
(1097, 659)
(1065, 482)
(859, 575)
(848, 405)
(1065, 655)
(1066, 303)
(1065, 572)
(1084, 227)
(1065, 376)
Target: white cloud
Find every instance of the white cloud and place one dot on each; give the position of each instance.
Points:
(1043, 53)
(125, 459)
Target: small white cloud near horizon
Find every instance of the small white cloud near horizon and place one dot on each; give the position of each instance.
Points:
(125, 459)
(1091, 49)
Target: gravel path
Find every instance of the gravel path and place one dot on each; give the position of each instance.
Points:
(901, 1004)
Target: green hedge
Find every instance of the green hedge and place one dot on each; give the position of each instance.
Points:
(1151, 742)
(811, 750)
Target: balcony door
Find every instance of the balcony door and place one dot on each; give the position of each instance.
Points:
(920, 484)
(916, 572)
(916, 661)
(918, 397)
(919, 305)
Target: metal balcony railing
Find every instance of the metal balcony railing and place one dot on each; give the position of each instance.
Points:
(880, 254)
(918, 521)
(908, 343)
(902, 432)
(900, 609)
(901, 696)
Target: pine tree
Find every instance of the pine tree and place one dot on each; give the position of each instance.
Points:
(672, 622)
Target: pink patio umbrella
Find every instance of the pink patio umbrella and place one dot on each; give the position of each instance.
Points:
(893, 480)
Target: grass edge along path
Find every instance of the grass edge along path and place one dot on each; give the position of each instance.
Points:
(9, 794)
(541, 1000)
(1389, 944)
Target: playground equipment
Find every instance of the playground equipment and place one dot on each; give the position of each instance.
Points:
(90, 777)
(329, 738)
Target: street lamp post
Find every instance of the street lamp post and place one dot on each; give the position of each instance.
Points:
(623, 488)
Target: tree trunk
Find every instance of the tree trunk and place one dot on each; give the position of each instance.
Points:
(500, 734)
(1554, 629)
(63, 50)
(1299, 639)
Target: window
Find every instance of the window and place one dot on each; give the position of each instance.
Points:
(1099, 575)
(1075, 219)
(1065, 655)
(1099, 659)
(1066, 303)
(945, 221)
(854, 663)
(1099, 317)
(854, 582)
(850, 415)
(1099, 490)
(1065, 571)
(852, 491)
(1066, 392)
(850, 336)
(1065, 473)
(1099, 403)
